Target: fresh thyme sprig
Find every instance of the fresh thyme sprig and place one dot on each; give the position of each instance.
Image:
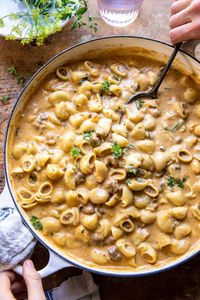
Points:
(44, 17)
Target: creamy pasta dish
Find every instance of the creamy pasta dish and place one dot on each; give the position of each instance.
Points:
(105, 190)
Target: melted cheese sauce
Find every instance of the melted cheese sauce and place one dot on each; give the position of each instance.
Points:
(108, 194)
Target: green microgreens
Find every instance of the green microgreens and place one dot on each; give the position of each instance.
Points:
(94, 26)
(21, 80)
(117, 151)
(175, 127)
(35, 221)
(75, 152)
(12, 70)
(171, 181)
(4, 99)
(139, 103)
(44, 17)
(105, 86)
(87, 135)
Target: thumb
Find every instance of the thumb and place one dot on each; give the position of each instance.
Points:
(33, 282)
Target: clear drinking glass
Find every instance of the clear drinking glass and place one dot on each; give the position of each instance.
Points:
(119, 12)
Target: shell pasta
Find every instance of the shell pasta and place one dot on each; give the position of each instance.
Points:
(109, 193)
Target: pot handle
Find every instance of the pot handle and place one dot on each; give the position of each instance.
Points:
(55, 262)
(6, 199)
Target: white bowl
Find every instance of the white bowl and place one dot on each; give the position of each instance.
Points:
(12, 6)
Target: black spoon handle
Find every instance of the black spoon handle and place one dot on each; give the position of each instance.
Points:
(154, 91)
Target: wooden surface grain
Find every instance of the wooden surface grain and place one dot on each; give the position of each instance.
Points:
(181, 283)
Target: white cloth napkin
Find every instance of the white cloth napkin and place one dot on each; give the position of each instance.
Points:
(80, 287)
(17, 244)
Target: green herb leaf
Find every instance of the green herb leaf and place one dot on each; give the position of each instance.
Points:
(35, 221)
(171, 181)
(180, 182)
(44, 17)
(12, 70)
(88, 135)
(176, 127)
(139, 103)
(21, 80)
(105, 86)
(117, 151)
(128, 181)
(81, 10)
(133, 170)
(118, 78)
(4, 99)
(1, 23)
(75, 152)
(83, 79)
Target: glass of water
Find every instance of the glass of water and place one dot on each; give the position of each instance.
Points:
(119, 12)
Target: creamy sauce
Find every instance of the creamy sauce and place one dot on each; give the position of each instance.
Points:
(130, 203)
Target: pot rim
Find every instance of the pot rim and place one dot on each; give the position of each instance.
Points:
(76, 263)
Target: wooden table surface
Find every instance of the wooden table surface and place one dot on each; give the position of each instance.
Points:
(181, 283)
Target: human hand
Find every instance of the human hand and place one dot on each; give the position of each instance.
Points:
(11, 284)
(185, 20)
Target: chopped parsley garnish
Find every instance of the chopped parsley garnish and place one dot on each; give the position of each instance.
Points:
(12, 70)
(105, 86)
(35, 221)
(94, 26)
(75, 152)
(117, 151)
(4, 99)
(139, 103)
(176, 127)
(86, 78)
(87, 135)
(180, 182)
(133, 170)
(20, 80)
(171, 181)
(117, 77)
(127, 181)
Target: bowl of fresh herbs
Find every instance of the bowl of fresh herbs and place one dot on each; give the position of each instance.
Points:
(34, 20)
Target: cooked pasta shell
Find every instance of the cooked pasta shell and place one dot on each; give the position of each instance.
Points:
(70, 216)
(87, 163)
(101, 171)
(103, 126)
(148, 252)
(126, 248)
(137, 184)
(127, 196)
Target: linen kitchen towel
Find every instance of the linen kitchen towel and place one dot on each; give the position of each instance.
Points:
(80, 287)
(16, 242)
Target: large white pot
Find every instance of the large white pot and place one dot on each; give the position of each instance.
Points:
(157, 50)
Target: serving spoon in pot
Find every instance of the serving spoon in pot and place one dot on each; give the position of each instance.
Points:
(152, 94)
